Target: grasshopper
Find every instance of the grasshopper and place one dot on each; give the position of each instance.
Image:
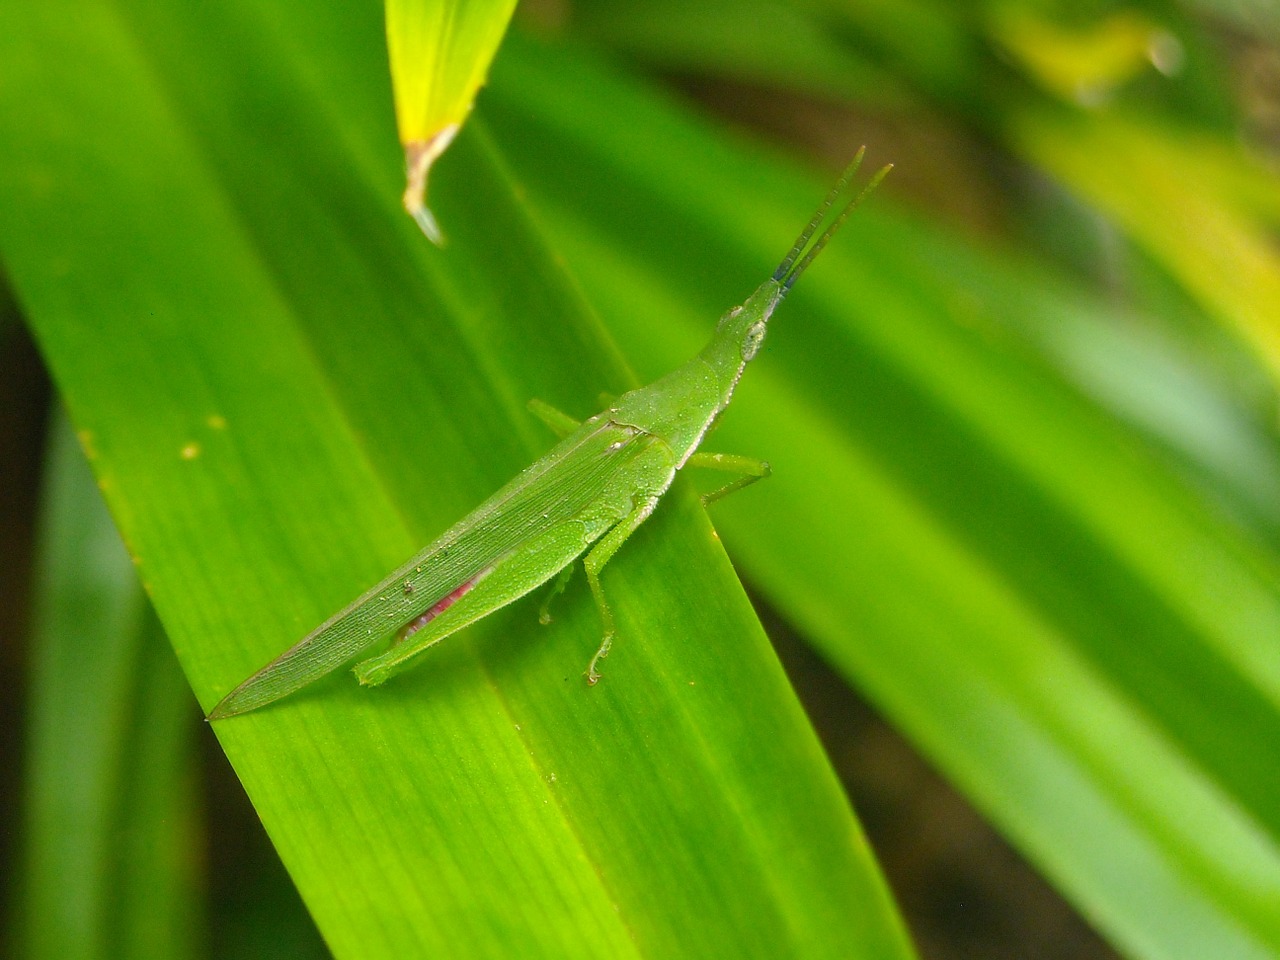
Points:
(591, 491)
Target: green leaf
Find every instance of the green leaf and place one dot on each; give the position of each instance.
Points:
(1027, 587)
(1081, 62)
(440, 51)
(1192, 210)
(283, 392)
(109, 817)
(756, 41)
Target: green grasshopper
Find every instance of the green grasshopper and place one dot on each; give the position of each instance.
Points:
(595, 487)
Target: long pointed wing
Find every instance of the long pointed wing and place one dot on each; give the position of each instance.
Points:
(564, 483)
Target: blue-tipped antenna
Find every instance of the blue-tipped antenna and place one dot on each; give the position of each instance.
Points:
(802, 253)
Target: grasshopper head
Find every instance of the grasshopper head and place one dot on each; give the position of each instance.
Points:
(741, 330)
(745, 325)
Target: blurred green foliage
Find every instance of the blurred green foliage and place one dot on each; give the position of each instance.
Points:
(1021, 417)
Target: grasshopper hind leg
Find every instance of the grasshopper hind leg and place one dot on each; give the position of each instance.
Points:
(600, 554)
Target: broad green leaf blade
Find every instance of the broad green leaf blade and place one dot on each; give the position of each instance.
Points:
(284, 392)
(1085, 645)
(440, 51)
(109, 819)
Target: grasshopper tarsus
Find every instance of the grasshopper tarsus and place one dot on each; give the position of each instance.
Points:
(593, 673)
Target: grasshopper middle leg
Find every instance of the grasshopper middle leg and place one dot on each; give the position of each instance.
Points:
(750, 468)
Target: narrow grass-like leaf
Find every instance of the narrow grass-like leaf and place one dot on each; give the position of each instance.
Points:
(284, 392)
(728, 37)
(1084, 62)
(1082, 642)
(109, 822)
(440, 52)
(1191, 213)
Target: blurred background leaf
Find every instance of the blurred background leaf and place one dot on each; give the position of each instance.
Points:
(1041, 605)
(109, 869)
(1021, 418)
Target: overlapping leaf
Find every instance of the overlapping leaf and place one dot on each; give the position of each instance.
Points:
(283, 391)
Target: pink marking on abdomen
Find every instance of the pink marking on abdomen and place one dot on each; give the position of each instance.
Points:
(439, 607)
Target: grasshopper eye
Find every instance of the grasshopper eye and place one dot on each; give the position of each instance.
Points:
(724, 320)
(751, 342)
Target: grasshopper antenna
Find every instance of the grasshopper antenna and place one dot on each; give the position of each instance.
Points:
(794, 264)
(818, 215)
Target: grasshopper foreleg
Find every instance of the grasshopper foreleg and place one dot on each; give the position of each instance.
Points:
(750, 468)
